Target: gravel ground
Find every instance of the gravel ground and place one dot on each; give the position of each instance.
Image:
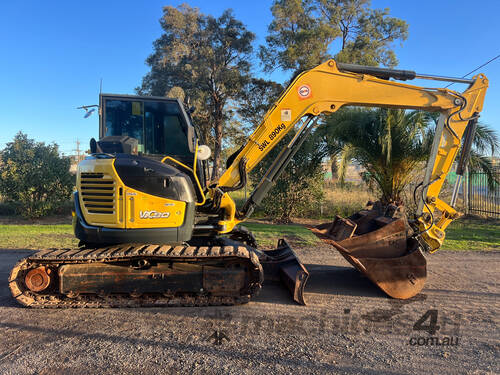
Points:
(349, 327)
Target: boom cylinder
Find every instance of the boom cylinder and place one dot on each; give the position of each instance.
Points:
(402, 75)
(276, 169)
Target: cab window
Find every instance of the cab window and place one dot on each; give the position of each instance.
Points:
(158, 126)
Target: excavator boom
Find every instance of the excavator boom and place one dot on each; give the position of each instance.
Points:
(330, 86)
(374, 241)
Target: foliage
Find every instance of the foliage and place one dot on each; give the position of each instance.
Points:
(34, 176)
(296, 39)
(389, 143)
(301, 184)
(393, 145)
(209, 59)
(303, 33)
(257, 96)
(485, 141)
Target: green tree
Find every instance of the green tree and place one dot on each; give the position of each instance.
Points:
(209, 58)
(486, 141)
(257, 96)
(34, 176)
(300, 187)
(301, 184)
(389, 144)
(392, 144)
(303, 34)
(297, 39)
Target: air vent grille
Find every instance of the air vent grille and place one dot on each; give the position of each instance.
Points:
(98, 193)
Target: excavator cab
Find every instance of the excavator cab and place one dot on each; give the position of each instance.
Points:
(161, 126)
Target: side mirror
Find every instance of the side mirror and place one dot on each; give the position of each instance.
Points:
(204, 152)
(88, 113)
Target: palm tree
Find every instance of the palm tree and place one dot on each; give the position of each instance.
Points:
(485, 140)
(391, 144)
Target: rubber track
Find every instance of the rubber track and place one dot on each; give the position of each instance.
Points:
(126, 253)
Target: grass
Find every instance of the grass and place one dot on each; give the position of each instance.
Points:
(267, 235)
(464, 234)
(46, 236)
(473, 234)
(36, 236)
(344, 202)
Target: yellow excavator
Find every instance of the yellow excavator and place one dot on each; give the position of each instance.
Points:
(154, 232)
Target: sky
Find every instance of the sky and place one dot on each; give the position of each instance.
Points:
(54, 54)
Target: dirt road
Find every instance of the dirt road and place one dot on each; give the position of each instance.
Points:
(348, 327)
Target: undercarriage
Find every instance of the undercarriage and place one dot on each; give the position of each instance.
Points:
(130, 275)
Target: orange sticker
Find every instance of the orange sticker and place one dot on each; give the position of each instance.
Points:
(304, 92)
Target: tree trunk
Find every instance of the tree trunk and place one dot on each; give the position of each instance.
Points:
(218, 122)
(335, 169)
(217, 150)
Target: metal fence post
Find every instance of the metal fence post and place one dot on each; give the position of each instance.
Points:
(465, 190)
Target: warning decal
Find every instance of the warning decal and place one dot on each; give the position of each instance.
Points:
(304, 92)
(286, 115)
(136, 109)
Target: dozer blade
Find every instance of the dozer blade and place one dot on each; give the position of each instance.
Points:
(386, 255)
(282, 264)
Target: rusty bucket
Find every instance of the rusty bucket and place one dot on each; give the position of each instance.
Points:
(380, 248)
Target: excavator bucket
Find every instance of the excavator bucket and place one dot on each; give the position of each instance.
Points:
(380, 248)
(282, 264)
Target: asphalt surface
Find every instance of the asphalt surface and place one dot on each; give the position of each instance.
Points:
(349, 327)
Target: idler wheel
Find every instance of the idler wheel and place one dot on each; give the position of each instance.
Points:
(38, 279)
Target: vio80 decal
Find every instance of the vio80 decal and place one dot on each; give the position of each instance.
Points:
(153, 215)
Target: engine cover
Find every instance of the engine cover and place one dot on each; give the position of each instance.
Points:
(128, 198)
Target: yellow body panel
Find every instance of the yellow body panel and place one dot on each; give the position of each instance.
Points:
(147, 211)
(106, 201)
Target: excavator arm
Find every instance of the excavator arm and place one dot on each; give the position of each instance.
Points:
(332, 85)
